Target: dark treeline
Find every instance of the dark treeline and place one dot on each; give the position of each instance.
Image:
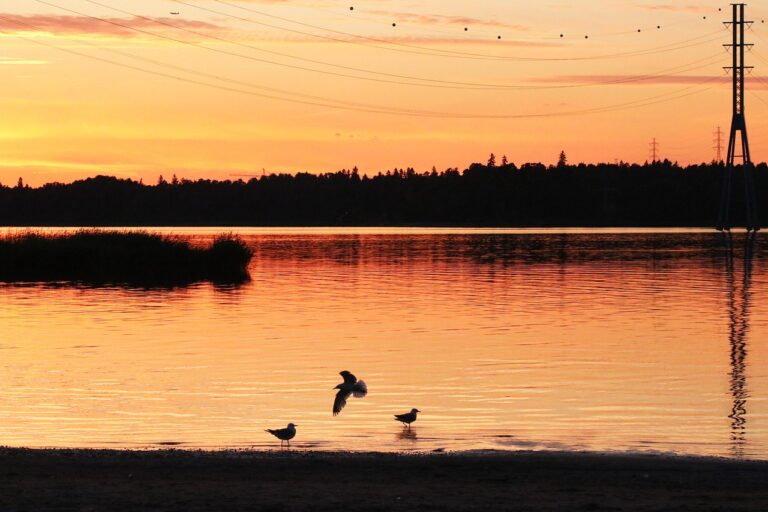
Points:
(657, 194)
(113, 257)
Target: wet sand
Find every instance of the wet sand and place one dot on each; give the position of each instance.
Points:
(94, 480)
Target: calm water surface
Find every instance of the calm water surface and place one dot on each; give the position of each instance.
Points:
(578, 340)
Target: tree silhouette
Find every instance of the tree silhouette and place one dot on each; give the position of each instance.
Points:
(492, 160)
(616, 194)
(562, 160)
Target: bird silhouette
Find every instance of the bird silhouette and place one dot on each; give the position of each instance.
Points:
(350, 386)
(407, 418)
(284, 434)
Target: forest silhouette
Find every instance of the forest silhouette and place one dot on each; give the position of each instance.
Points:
(652, 194)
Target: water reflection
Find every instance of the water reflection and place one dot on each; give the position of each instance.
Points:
(608, 341)
(738, 308)
(562, 249)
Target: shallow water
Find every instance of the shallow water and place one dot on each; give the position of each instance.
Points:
(505, 339)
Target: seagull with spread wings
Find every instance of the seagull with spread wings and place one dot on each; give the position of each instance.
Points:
(350, 386)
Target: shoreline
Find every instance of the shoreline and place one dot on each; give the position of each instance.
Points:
(310, 450)
(170, 479)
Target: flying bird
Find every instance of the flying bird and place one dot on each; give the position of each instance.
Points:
(284, 434)
(407, 418)
(350, 386)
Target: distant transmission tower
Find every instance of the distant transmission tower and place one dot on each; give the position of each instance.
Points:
(718, 145)
(738, 125)
(654, 150)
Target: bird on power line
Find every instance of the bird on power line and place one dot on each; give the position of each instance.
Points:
(407, 418)
(319, 102)
(405, 47)
(350, 386)
(284, 434)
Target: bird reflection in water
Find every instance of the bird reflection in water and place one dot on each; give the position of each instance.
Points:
(407, 435)
(738, 311)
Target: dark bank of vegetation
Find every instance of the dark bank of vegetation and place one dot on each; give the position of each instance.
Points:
(235, 481)
(103, 257)
(656, 194)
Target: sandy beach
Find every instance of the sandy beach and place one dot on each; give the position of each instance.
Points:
(95, 480)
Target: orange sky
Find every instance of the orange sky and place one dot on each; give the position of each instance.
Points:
(312, 86)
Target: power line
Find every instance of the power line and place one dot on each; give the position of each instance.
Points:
(427, 81)
(445, 53)
(215, 77)
(553, 35)
(435, 82)
(197, 82)
(176, 67)
(392, 45)
(758, 97)
(661, 98)
(238, 43)
(338, 103)
(448, 53)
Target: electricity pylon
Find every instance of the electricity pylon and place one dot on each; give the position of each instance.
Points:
(738, 130)
(654, 150)
(718, 147)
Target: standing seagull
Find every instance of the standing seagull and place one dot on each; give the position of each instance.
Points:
(350, 386)
(407, 418)
(284, 434)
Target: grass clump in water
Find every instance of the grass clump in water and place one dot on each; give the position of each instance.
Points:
(130, 257)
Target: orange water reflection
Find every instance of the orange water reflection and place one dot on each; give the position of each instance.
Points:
(506, 340)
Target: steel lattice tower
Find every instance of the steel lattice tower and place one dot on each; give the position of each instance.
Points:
(654, 150)
(718, 145)
(738, 130)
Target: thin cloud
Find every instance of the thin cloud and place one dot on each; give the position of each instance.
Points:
(131, 27)
(83, 26)
(11, 61)
(673, 8)
(438, 19)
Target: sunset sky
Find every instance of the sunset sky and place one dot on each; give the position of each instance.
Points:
(229, 88)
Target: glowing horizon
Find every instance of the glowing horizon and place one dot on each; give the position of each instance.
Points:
(224, 88)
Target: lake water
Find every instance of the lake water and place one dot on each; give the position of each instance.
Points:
(505, 339)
